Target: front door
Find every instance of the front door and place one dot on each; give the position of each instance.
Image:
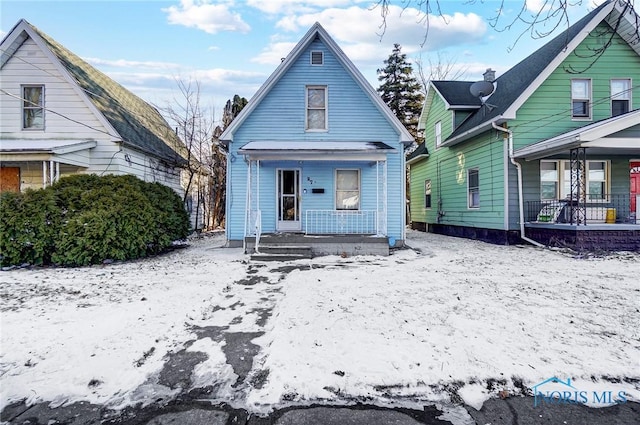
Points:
(288, 200)
(634, 184)
(9, 179)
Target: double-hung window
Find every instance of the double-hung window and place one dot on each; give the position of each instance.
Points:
(316, 108)
(620, 96)
(473, 179)
(555, 180)
(438, 133)
(427, 193)
(347, 189)
(33, 107)
(581, 98)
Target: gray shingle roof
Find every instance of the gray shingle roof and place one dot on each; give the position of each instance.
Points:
(457, 93)
(138, 123)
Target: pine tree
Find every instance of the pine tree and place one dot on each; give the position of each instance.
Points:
(400, 90)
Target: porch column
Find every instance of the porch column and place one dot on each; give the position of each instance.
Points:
(578, 192)
(51, 171)
(247, 211)
(44, 174)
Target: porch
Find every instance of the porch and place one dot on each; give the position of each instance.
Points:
(606, 224)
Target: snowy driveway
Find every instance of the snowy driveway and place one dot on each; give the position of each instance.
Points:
(449, 320)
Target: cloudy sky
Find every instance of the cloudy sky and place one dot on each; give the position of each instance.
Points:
(232, 46)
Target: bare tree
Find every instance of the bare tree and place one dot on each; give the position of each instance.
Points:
(551, 15)
(194, 126)
(440, 67)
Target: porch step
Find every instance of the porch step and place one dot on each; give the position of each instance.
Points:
(282, 253)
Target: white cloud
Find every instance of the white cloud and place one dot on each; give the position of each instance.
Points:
(123, 63)
(273, 53)
(211, 18)
(275, 7)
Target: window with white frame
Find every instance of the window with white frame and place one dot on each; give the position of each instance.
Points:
(581, 98)
(427, 193)
(555, 180)
(438, 133)
(347, 189)
(620, 96)
(473, 182)
(33, 107)
(316, 119)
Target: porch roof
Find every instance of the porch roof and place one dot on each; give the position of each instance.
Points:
(316, 151)
(56, 147)
(618, 135)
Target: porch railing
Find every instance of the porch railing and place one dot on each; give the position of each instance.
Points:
(601, 208)
(341, 222)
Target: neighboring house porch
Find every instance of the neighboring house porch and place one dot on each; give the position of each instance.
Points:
(589, 186)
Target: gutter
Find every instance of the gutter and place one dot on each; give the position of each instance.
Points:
(520, 197)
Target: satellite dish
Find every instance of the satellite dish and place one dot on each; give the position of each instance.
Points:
(481, 88)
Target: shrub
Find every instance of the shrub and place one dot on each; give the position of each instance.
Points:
(86, 219)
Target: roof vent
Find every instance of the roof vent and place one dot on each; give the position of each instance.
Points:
(317, 58)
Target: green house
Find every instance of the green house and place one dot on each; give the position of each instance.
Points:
(548, 152)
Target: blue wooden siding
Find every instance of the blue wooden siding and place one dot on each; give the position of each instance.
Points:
(281, 117)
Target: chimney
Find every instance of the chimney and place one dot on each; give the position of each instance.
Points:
(489, 75)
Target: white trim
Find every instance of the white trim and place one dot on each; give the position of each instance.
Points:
(307, 108)
(335, 189)
(469, 207)
(629, 92)
(588, 99)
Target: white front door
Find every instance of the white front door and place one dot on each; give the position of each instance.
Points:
(288, 200)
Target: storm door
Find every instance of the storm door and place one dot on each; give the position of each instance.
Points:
(288, 200)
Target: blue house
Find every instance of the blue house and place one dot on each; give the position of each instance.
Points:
(316, 158)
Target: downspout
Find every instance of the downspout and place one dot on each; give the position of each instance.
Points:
(520, 197)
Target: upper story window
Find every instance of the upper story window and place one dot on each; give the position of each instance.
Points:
(317, 57)
(473, 178)
(347, 189)
(620, 96)
(438, 133)
(316, 108)
(581, 98)
(33, 107)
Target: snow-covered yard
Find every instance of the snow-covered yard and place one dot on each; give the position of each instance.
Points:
(448, 320)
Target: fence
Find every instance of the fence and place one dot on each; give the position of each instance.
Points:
(341, 222)
(601, 208)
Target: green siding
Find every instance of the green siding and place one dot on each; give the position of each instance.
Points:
(547, 112)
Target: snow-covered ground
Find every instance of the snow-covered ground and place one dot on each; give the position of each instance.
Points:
(447, 320)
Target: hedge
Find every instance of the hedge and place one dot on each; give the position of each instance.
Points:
(87, 219)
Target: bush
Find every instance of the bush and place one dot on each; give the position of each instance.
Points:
(86, 219)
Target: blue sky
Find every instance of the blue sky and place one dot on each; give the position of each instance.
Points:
(232, 46)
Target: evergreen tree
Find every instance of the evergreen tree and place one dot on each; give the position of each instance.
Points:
(400, 90)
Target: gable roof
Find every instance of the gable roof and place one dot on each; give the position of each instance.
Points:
(457, 94)
(515, 86)
(317, 31)
(138, 124)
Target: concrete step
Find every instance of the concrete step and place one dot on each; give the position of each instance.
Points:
(278, 257)
(285, 249)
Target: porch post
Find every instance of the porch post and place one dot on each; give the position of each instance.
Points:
(44, 174)
(247, 210)
(57, 171)
(377, 197)
(384, 199)
(51, 169)
(578, 195)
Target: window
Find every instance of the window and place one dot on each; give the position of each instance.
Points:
(555, 180)
(427, 193)
(548, 180)
(620, 97)
(438, 133)
(317, 58)
(347, 189)
(581, 98)
(33, 107)
(317, 108)
(473, 178)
